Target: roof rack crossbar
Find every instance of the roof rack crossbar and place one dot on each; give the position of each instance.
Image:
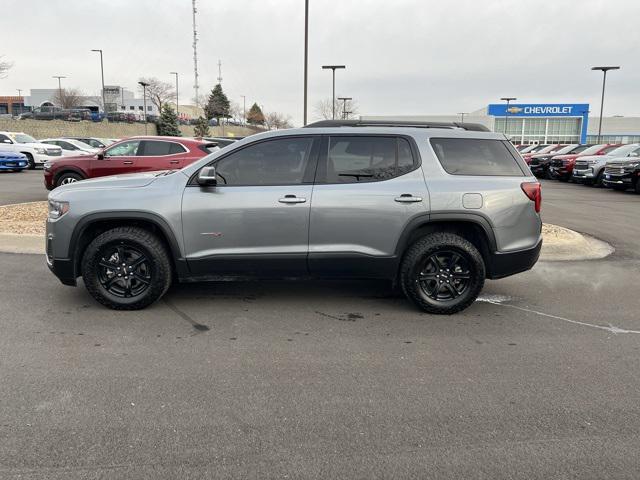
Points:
(476, 127)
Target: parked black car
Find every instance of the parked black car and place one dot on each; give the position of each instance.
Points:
(539, 164)
(622, 175)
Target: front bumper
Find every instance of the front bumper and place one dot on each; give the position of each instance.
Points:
(63, 268)
(561, 173)
(502, 265)
(613, 181)
(539, 170)
(40, 159)
(13, 164)
(583, 176)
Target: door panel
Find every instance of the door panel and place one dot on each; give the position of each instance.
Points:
(237, 230)
(156, 155)
(118, 159)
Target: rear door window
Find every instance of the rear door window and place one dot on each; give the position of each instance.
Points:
(477, 157)
(361, 159)
(154, 148)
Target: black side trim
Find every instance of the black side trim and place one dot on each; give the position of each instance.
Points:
(88, 220)
(248, 266)
(505, 264)
(434, 217)
(351, 265)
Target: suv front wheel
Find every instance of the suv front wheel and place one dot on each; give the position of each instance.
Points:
(442, 273)
(126, 268)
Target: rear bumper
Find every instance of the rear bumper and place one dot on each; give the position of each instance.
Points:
(506, 264)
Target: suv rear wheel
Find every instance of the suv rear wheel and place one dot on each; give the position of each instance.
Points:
(442, 273)
(126, 268)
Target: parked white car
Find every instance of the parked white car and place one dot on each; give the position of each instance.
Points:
(71, 147)
(590, 168)
(37, 153)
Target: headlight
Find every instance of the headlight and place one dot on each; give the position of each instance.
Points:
(47, 166)
(632, 165)
(57, 209)
(41, 151)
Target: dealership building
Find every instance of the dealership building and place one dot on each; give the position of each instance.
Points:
(541, 123)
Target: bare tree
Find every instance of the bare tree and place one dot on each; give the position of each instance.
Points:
(68, 98)
(277, 121)
(4, 67)
(159, 92)
(348, 109)
(236, 111)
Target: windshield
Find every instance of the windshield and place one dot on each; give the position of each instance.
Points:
(621, 151)
(24, 138)
(538, 148)
(592, 150)
(579, 149)
(610, 149)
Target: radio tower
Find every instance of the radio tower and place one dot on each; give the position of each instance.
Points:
(220, 72)
(195, 54)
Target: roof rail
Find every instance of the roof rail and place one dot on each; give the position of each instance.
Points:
(475, 127)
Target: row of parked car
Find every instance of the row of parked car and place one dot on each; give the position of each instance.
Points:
(614, 166)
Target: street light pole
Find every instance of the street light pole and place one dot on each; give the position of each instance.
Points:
(59, 77)
(19, 97)
(462, 114)
(506, 112)
(104, 103)
(144, 103)
(344, 106)
(306, 57)
(244, 110)
(333, 68)
(604, 70)
(177, 112)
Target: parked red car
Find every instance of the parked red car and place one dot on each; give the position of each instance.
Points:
(134, 154)
(547, 149)
(561, 166)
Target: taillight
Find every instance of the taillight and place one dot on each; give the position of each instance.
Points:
(533, 190)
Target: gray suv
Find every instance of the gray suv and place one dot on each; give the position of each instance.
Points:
(435, 208)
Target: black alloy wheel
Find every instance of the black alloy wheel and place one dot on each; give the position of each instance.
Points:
(444, 275)
(123, 270)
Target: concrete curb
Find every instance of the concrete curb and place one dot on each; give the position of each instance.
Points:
(15, 243)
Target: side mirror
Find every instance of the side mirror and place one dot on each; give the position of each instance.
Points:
(100, 156)
(634, 154)
(6, 140)
(207, 177)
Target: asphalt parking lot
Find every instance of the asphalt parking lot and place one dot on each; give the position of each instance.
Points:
(539, 379)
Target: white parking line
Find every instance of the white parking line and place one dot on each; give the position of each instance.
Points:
(499, 300)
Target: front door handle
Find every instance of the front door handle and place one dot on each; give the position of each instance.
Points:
(174, 161)
(127, 162)
(407, 198)
(292, 199)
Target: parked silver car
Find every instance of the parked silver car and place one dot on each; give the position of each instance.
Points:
(590, 168)
(436, 208)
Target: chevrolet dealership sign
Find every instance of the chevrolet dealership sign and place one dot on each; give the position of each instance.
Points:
(539, 110)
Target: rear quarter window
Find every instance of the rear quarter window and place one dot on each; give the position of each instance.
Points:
(477, 157)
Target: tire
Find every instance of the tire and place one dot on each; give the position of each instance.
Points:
(144, 278)
(620, 188)
(636, 188)
(30, 161)
(67, 178)
(419, 260)
(598, 180)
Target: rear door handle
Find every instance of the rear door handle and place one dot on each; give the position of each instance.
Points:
(292, 199)
(407, 198)
(174, 161)
(127, 162)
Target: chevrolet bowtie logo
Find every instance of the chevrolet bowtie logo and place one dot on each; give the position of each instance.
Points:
(514, 109)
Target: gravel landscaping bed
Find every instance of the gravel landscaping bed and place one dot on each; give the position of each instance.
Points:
(24, 218)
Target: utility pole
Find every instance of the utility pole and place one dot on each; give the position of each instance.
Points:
(59, 77)
(195, 53)
(506, 111)
(604, 70)
(344, 105)
(462, 114)
(306, 57)
(177, 111)
(19, 97)
(104, 103)
(333, 68)
(144, 103)
(244, 110)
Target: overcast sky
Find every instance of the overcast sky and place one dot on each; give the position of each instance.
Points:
(402, 56)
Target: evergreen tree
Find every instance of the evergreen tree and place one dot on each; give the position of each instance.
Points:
(217, 105)
(201, 128)
(168, 122)
(255, 115)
